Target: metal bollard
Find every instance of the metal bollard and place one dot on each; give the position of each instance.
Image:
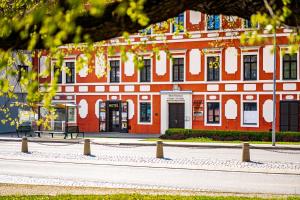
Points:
(24, 147)
(159, 149)
(87, 147)
(246, 152)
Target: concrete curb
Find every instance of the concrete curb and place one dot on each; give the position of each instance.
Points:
(218, 146)
(41, 140)
(168, 144)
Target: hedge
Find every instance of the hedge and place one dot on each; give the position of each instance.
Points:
(181, 134)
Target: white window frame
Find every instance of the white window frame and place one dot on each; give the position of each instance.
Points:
(242, 112)
(205, 111)
(281, 65)
(184, 26)
(211, 31)
(63, 75)
(151, 104)
(184, 68)
(205, 67)
(243, 53)
(108, 70)
(151, 71)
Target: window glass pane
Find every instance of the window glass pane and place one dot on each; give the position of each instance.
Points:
(217, 22)
(250, 113)
(145, 112)
(71, 114)
(178, 22)
(294, 57)
(178, 69)
(70, 76)
(294, 70)
(213, 68)
(253, 58)
(114, 71)
(57, 70)
(286, 74)
(286, 57)
(253, 71)
(247, 59)
(247, 23)
(213, 113)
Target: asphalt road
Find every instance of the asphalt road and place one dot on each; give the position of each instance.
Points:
(43, 172)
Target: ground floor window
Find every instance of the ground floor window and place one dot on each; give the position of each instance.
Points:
(213, 113)
(145, 112)
(71, 114)
(250, 113)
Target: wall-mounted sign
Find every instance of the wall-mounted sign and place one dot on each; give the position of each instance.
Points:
(198, 110)
(175, 98)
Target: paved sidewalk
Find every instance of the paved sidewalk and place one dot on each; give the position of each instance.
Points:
(263, 161)
(143, 142)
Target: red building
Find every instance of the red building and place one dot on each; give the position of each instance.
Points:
(228, 87)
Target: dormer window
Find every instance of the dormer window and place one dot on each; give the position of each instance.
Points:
(178, 23)
(213, 22)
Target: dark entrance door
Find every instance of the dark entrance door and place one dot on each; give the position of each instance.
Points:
(289, 115)
(176, 115)
(114, 117)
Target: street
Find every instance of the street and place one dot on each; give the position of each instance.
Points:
(216, 170)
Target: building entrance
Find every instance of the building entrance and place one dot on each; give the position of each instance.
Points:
(176, 115)
(113, 116)
(289, 115)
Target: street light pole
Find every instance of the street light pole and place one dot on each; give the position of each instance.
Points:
(274, 92)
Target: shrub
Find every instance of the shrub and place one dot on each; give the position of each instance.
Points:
(180, 134)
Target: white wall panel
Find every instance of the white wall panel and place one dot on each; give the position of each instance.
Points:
(195, 57)
(83, 108)
(161, 63)
(230, 109)
(129, 65)
(231, 60)
(268, 59)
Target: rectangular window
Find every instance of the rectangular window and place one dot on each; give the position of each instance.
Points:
(213, 22)
(178, 69)
(145, 72)
(58, 73)
(114, 71)
(178, 25)
(145, 112)
(248, 24)
(213, 113)
(250, 114)
(22, 71)
(146, 31)
(70, 75)
(250, 67)
(213, 68)
(289, 67)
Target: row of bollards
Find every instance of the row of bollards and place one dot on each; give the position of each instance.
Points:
(86, 147)
(159, 149)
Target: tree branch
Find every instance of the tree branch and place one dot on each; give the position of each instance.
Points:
(112, 24)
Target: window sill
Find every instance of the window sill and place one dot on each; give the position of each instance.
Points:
(213, 124)
(250, 125)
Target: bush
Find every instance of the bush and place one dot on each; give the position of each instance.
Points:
(181, 134)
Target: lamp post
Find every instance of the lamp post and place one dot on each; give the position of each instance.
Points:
(274, 92)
